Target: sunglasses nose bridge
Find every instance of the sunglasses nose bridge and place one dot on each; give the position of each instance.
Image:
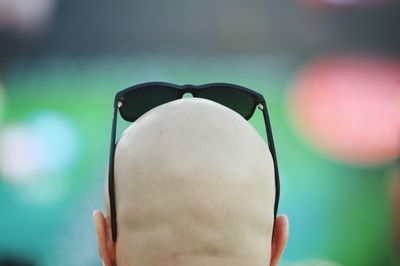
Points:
(188, 89)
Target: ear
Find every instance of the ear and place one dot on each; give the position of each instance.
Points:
(105, 243)
(281, 233)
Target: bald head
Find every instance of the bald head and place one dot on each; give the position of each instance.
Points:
(194, 185)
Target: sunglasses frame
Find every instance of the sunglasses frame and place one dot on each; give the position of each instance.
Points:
(259, 102)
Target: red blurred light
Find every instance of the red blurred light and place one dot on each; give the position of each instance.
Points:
(350, 107)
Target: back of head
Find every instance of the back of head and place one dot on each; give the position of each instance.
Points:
(194, 185)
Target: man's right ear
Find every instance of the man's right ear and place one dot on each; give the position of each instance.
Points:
(104, 240)
(280, 238)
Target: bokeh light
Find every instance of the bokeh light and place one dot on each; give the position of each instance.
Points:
(349, 107)
(59, 140)
(35, 154)
(18, 154)
(25, 16)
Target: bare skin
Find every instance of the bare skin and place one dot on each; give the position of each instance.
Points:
(195, 186)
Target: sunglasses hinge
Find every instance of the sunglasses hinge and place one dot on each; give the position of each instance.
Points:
(119, 104)
(260, 106)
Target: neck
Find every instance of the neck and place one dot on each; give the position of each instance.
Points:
(215, 260)
(200, 260)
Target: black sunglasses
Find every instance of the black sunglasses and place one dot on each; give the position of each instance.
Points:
(136, 100)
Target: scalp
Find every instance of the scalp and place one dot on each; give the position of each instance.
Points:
(192, 178)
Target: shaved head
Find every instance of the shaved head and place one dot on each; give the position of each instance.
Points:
(194, 185)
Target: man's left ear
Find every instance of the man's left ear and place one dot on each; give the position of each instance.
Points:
(104, 240)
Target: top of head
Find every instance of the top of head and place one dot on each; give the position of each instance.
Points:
(192, 179)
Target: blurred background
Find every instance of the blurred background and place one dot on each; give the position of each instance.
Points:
(329, 70)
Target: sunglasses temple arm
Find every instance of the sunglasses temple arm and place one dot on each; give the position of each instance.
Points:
(111, 192)
(273, 153)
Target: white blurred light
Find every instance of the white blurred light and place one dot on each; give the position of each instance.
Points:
(57, 138)
(25, 15)
(18, 159)
(35, 156)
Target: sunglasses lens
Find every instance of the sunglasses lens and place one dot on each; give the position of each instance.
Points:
(141, 100)
(236, 100)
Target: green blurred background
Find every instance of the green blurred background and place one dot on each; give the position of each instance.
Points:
(59, 77)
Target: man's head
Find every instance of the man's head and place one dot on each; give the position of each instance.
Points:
(194, 185)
